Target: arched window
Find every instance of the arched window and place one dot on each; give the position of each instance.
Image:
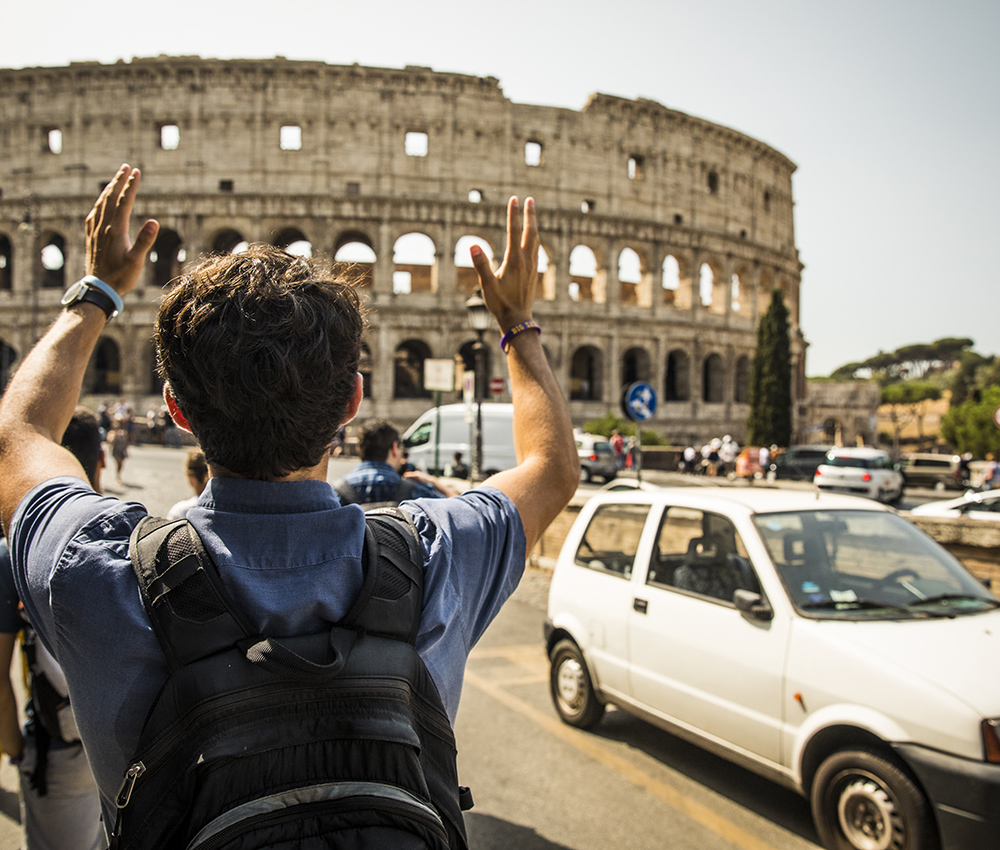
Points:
(6, 265)
(229, 242)
(294, 241)
(629, 276)
(671, 279)
(713, 379)
(585, 374)
(582, 271)
(741, 392)
(677, 382)
(8, 357)
(706, 284)
(635, 366)
(104, 371)
(415, 260)
(408, 372)
(466, 278)
(468, 354)
(355, 251)
(53, 259)
(166, 257)
(736, 293)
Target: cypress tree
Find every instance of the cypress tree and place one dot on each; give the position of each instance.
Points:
(770, 418)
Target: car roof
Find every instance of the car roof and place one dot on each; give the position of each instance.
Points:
(748, 500)
(851, 451)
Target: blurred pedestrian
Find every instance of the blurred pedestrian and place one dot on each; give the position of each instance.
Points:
(118, 442)
(196, 469)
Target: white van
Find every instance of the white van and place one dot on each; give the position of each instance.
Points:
(431, 449)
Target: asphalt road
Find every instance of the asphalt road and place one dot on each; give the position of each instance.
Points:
(539, 784)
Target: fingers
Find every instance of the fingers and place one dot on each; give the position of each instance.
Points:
(145, 239)
(482, 265)
(513, 229)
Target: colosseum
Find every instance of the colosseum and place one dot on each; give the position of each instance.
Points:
(664, 235)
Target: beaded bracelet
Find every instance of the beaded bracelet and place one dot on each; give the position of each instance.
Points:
(508, 337)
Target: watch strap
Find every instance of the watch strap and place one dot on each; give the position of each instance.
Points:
(96, 296)
(96, 283)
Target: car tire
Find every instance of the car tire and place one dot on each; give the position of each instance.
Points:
(571, 689)
(609, 478)
(863, 800)
(585, 474)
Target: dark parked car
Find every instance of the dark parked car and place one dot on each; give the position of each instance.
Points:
(935, 470)
(796, 463)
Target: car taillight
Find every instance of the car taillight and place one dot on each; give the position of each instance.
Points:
(593, 458)
(991, 740)
(819, 471)
(866, 476)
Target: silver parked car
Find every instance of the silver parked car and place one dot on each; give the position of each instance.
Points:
(596, 457)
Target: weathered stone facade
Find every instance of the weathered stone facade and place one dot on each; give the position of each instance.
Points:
(350, 159)
(842, 413)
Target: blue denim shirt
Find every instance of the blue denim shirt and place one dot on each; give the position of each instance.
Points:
(289, 554)
(376, 481)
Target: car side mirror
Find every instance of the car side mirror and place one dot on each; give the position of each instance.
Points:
(753, 605)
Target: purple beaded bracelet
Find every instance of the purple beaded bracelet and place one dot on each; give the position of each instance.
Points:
(508, 337)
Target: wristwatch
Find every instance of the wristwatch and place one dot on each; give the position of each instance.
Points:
(96, 291)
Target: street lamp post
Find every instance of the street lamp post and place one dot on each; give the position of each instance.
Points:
(479, 321)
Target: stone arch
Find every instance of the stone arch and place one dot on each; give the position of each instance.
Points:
(6, 265)
(166, 256)
(676, 286)
(408, 369)
(741, 383)
(713, 379)
(677, 376)
(467, 353)
(466, 278)
(585, 374)
(8, 357)
(294, 241)
(52, 257)
(546, 274)
(635, 365)
(588, 278)
(415, 267)
(712, 287)
(744, 291)
(229, 241)
(104, 372)
(357, 252)
(629, 275)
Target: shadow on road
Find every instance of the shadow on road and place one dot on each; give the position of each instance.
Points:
(489, 833)
(774, 802)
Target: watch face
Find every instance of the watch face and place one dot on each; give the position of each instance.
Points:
(73, 293)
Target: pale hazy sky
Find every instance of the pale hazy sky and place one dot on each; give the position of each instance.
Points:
(889, 109)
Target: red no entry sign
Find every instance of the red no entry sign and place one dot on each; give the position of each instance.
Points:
(497, 385)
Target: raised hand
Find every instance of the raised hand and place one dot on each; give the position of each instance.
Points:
(111, 256)
(510, 292)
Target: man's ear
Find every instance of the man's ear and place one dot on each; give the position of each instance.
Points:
(355, 402)
(175, 412)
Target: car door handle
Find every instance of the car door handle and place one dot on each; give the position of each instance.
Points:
(640, 605)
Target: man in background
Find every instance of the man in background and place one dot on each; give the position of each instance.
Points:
(60, 805)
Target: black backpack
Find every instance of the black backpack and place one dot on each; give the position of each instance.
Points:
(350, 496)
(337, 739)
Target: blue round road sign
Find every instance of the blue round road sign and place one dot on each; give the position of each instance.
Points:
(639, 401)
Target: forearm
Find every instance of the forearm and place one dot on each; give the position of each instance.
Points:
(39, 402)
(548, 470)
(11, 739)
(46, 388)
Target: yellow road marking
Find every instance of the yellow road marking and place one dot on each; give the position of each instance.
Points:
(591, 746)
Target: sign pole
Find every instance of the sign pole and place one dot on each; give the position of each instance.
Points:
(437, 432)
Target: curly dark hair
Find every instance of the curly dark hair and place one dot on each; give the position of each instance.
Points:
(260, 350)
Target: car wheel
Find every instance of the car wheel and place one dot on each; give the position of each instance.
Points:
(585, 474)
(863, 801)
(572, 692)
(610, 477)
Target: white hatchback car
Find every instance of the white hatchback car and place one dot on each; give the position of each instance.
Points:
(860, 472)
(820, 640)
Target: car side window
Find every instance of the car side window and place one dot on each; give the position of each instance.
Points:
(420, 436)
(701, 553)
(612, 538)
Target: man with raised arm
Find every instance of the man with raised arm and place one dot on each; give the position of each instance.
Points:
(259, 352)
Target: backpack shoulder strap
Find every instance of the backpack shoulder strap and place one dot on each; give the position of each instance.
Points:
(348, 495)
(192, 614)
(404, 491)
(392, 595)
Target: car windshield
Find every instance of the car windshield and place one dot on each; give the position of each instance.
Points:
(867, 565)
